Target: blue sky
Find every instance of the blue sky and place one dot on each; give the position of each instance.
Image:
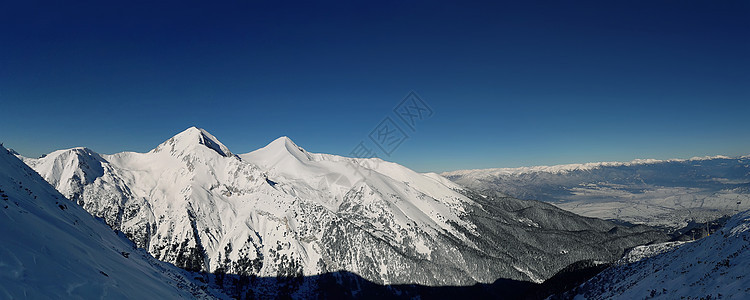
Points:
(510, 84)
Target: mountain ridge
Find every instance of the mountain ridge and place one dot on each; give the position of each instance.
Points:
(190, 138)
(281, 211)
(54, 249)
(714, 267)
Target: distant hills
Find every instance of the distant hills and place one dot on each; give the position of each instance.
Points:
(671, 193)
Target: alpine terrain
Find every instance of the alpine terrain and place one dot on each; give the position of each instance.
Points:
(283, 212)
(672, 193)
(53, 249)
(714, 267)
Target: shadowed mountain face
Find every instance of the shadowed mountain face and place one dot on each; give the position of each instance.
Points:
(347, 285)
(282, 212)
(667, 193)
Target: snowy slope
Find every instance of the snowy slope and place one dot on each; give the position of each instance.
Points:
(53, 249)
(646, 191)
(645, 251)
(282, 211)
(715, 267)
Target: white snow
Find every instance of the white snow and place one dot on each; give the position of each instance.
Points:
(51, 248)
(715, 267)
(669, 193)
(572, 167)
(529, 273)
(193, 180)
(642, 252)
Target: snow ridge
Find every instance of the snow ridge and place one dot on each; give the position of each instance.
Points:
(53, 249)
(282, 211)
(714, 267)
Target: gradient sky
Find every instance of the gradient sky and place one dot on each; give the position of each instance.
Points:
(510, 84)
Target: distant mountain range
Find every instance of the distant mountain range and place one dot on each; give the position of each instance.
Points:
(282, 212)
(672, 193)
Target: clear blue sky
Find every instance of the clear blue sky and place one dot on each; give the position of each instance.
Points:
(510, 84)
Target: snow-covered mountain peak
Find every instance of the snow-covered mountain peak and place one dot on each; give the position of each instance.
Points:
(189, 140)
(281, 151)
(53, 249)
(63, 167)
(282, 211)
(284, 143)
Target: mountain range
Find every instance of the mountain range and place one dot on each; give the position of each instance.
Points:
(283, 212)
(671, 193)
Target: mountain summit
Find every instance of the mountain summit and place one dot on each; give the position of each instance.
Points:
(53, 249)
(281, 150)
(188, 141)
(283, 212)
